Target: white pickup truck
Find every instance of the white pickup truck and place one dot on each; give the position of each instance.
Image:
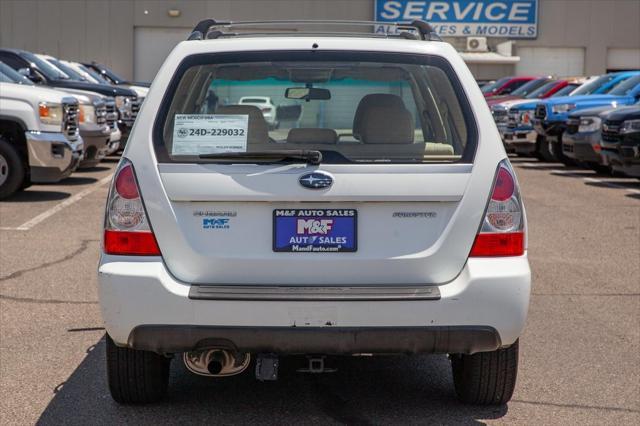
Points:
(39, 137)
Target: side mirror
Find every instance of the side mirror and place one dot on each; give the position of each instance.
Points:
(31, 75)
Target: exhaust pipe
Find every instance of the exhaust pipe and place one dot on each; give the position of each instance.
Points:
(216, 362)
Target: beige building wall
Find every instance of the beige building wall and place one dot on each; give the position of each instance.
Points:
(103, 30)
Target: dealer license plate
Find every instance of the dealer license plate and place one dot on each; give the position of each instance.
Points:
(315, 230)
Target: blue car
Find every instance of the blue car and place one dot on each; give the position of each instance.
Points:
(613, 89)
(519, 136)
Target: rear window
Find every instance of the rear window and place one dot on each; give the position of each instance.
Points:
(352, 107)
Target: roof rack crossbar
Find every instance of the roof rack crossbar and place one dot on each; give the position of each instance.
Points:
(210, 28)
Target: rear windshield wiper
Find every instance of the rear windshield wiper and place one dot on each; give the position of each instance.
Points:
(310, 156)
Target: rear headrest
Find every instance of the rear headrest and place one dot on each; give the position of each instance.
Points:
(369, 100)
(258, 131)
(381, 119)
(312, 135)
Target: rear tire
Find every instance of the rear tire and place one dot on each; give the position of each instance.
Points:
(12, 170)
(486, 378)
(135, 376)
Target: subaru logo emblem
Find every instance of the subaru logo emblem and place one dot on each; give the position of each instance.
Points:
(316, 180)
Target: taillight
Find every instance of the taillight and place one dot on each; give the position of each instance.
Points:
(502, 232)
(126, 228)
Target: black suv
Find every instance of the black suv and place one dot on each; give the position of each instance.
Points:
(581, 139)
(40, 72)
(111, 76)
(621, 140)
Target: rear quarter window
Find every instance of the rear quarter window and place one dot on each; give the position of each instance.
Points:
(362, 107)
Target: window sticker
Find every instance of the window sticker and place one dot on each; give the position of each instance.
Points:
(195, 134)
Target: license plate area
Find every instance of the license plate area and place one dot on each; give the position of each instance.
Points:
(315, 230)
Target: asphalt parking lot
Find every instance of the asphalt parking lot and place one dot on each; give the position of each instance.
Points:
(580, 353)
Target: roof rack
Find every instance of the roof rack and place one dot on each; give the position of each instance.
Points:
(212, 29)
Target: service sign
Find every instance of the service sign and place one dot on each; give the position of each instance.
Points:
(464, 18)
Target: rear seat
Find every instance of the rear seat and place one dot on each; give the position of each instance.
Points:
(380, 120)
(383, 119)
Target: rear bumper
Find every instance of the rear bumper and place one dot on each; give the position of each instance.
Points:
(144, 307)
(331, 340)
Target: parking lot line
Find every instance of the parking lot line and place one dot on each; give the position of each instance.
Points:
(594, 180)
(55, 209)
(612, 185)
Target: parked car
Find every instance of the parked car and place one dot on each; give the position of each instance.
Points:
(500, 110)
(504, 86)
(118, 80)
(621, 140)
(39, 139)
(93, 76)
(42, 72)
(97, 117)
(515, 123)
(551, 115)
(224, 241)
(538, 89)
(581, 139)
(96, 77)
(266, 106)
(521, 91)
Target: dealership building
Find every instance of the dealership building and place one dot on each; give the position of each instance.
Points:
(496, 37)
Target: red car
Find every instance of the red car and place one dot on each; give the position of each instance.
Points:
(504, 86)
(540, 88)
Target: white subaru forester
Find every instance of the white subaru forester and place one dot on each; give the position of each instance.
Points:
(381, 217)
